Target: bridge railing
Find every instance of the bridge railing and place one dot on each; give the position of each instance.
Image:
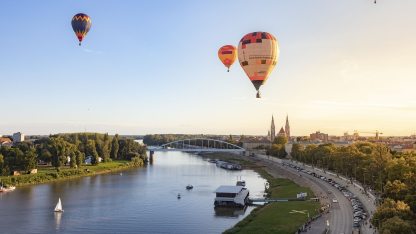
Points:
(201, 143)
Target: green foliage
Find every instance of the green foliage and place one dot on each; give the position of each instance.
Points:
(280, 140)
(277, 150)
(79, 157)
(276, 217)
(47, 174)
(56, 149)
(137, 161)
(396, 225)
(392, 175)
(114, 147)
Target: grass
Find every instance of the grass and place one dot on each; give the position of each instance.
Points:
(274, 217)
(49, 174)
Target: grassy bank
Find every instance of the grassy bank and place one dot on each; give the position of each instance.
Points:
(49, 174)
(274, 217)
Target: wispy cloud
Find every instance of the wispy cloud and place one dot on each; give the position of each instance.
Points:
(334, 104)
(93, 51)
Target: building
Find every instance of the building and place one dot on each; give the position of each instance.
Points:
(281, 133)
(5, 141)
(318, 136)
(287, 128)
(272, 130)
(253, 144)
(18, 137)
(231, 196)
(285, 132)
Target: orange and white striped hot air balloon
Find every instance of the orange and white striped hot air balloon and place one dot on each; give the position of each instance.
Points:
(258, 53)
(227, 55)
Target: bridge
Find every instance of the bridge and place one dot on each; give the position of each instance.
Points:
(197, 145)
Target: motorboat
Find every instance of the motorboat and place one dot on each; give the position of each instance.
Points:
(189, 187)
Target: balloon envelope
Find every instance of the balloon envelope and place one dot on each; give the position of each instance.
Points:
(258, 53)
(81, 24)
(227, 55)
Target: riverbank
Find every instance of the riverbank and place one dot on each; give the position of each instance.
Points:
(274, 217)
(49, 174)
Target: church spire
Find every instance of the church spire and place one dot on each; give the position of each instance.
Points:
(287, 128)
(272, 130)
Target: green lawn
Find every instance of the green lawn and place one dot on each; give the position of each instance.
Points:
(47, 173)
(276, 217)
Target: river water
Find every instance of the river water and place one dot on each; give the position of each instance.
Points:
(142, 200)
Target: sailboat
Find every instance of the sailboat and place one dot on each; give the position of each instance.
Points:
(58, 207)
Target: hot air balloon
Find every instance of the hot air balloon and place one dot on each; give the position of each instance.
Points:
(227, 55)
(258, 53)
(81, 24)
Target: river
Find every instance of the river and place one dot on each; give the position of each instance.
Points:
(142, 200)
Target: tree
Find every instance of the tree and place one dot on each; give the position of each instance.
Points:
(396, 225)
(106, 148)
(389, 209)
(92, 151)
(79, 157)
(29, 160)
(73, 162)
(297, 150)
(114, 147)
(280, 140)
(1, 164)
(277, 150)
(396, 190)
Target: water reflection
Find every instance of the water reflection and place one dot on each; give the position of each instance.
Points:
(230, 211)
(142, 200)
(58, 217)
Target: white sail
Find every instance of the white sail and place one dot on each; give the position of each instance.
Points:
(58, 207)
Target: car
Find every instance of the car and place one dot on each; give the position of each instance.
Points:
(334, 200)
(356, 224)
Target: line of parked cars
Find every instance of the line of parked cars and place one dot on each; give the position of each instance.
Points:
(359, 213)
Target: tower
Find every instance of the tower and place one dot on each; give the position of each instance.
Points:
(287, 128)
(272, 130)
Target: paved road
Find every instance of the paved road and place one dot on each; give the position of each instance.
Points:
(368, 200)
(340, 216)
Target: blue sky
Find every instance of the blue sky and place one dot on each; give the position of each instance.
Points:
(152, 67)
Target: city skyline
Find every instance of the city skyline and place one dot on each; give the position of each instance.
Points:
(343, 66)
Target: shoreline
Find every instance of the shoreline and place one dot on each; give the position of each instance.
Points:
(49, 175)
(263, 218)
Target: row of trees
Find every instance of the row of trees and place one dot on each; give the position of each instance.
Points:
(19, 158)
(160, 139)
(56, 149)
(391, 174)
(277, 149)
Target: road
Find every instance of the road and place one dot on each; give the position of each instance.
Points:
(368, 200)
(340, 216)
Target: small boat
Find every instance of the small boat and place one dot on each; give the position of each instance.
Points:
(6, 189)
(179, 196)
(240, 182)
(189, 187)
(58, 207)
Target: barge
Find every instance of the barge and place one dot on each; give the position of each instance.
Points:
(231, 196)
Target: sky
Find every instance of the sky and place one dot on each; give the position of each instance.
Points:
(151, 66)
